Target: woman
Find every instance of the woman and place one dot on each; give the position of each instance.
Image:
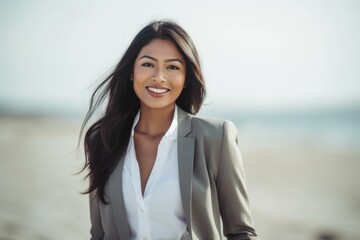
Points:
(157, 171)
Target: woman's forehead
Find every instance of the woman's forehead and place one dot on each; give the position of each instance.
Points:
(161, 49)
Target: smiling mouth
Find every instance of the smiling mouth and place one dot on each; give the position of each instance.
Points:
(157, 90)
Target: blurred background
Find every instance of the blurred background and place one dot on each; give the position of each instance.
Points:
(285, 72)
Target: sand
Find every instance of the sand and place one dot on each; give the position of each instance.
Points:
(299, 188)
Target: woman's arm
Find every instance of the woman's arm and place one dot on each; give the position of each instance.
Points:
(96, 231)
(232, 195)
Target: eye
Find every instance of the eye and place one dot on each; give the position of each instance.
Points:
(173, 67)
(146, 64)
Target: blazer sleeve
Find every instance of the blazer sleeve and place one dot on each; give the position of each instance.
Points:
(232, 195)
(96, 230)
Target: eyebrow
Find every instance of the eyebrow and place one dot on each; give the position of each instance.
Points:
(167, 60)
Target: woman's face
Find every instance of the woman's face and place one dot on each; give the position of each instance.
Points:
(159, 74)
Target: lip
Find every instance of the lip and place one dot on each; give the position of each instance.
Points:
(157, 91)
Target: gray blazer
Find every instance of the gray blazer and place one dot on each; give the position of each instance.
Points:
(212, 186)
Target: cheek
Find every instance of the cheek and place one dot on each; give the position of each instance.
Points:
(180, 82)
(177, 79)
(139, 72)
(138, 82)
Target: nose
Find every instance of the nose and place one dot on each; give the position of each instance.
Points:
(159, 75)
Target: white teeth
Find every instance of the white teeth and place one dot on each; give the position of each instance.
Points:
(157, 90)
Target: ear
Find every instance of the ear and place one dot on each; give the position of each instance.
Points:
(131, 77)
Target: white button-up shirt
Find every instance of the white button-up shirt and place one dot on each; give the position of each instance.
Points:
(159, 213)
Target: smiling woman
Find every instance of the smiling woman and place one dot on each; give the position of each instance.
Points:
(156, 170)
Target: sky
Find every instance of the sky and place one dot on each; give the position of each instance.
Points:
(256, 55)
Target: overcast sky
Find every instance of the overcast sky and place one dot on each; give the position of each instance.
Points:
(255, 54)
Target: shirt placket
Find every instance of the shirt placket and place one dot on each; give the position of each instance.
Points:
(143, 223)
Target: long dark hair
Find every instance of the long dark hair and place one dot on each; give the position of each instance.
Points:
(107, 139)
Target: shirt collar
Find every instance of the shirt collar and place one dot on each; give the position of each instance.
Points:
(171, 133)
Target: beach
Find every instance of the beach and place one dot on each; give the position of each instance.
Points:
(300, 186)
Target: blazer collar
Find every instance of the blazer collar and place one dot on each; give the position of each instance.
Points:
(184, 123)
(186, 147)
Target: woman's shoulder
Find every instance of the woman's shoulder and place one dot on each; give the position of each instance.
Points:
(209, 122)
(212, 125)
(208, 126)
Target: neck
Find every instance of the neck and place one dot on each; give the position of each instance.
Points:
(154, 122)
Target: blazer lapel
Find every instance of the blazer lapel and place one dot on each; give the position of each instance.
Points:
(117, 201)
(186, 148)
